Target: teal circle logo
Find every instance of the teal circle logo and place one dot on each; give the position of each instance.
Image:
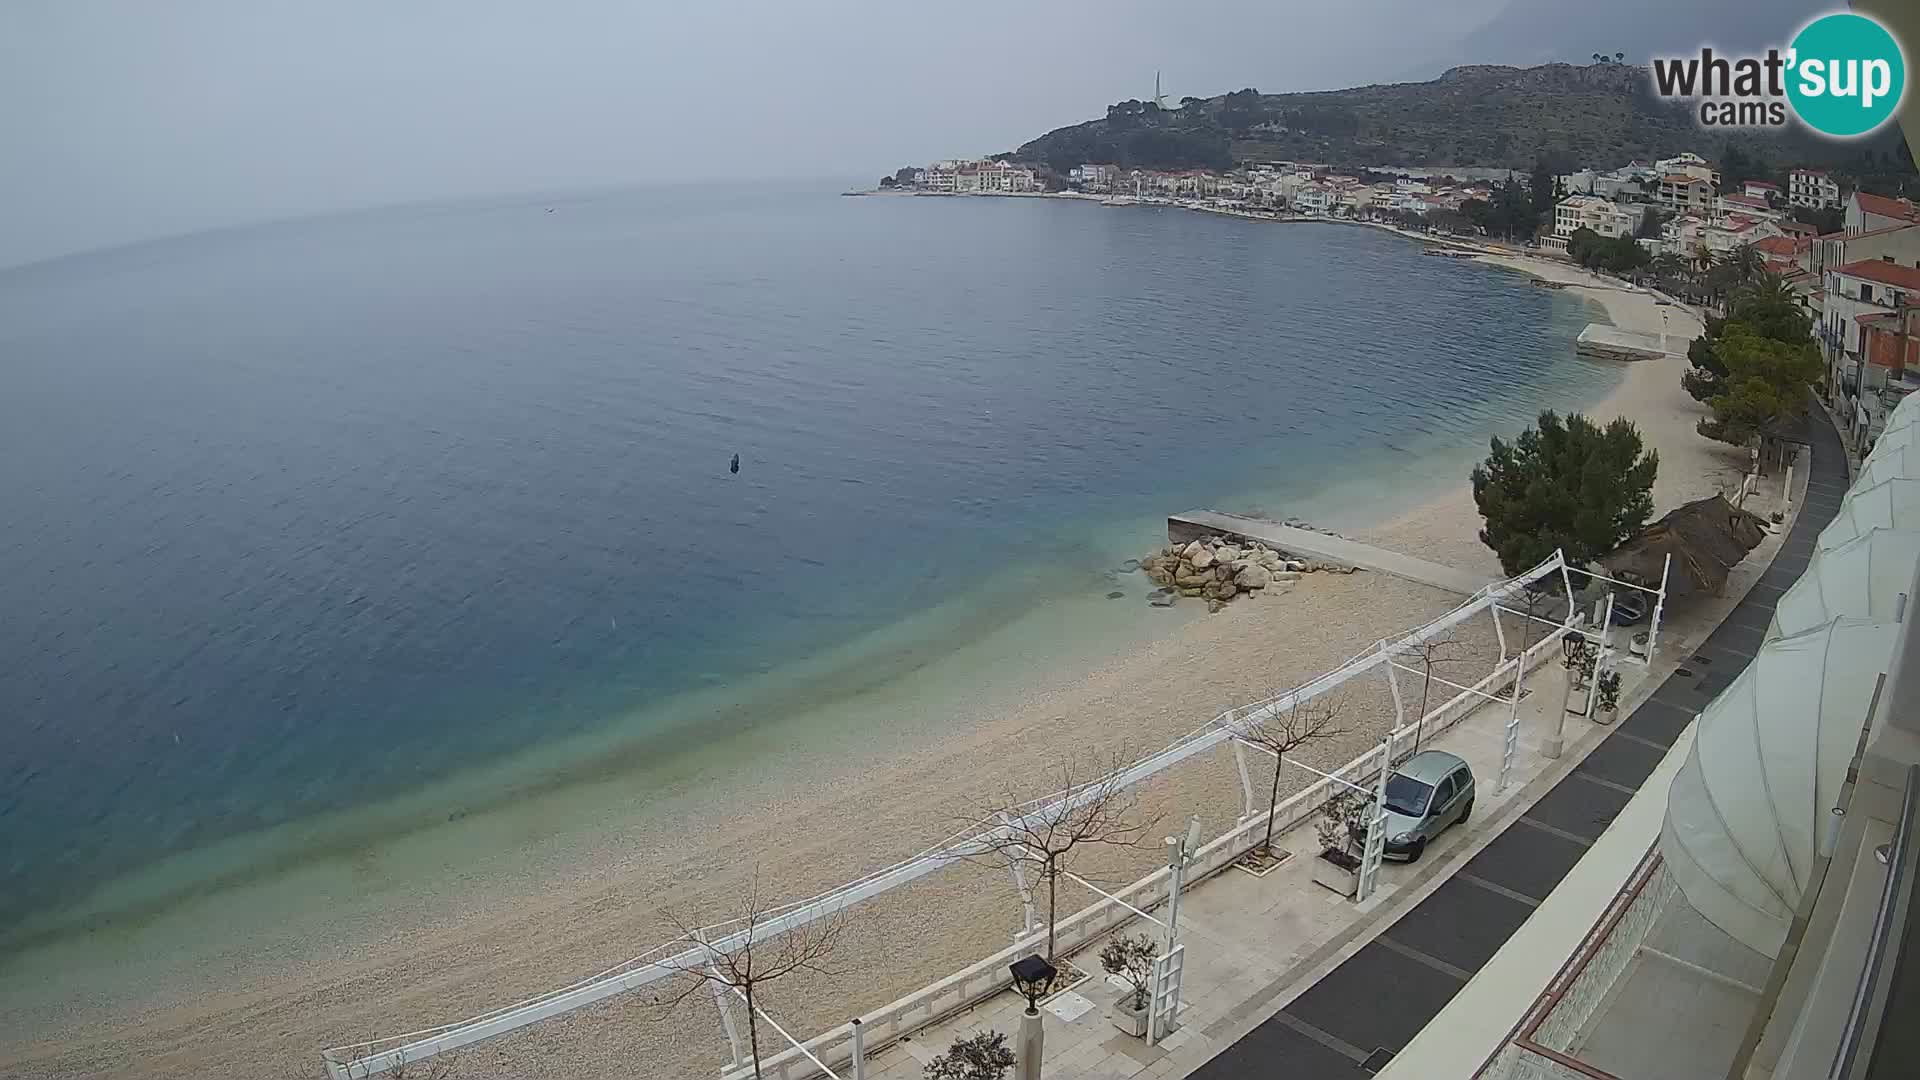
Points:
(1847, 75)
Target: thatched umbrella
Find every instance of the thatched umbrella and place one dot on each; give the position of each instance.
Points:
(1707, 539)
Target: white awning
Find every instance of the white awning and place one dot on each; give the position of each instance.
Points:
(1748, 810)
(1890, 504)
(1862, 578)
(1905, 414)
(1890, 463)
(1893, 440)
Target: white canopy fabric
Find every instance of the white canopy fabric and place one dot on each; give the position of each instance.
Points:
(1862, 578)
(1895, 439)
(1905, 414)
(1748, 810)
(1887, 463)
(1890, 504)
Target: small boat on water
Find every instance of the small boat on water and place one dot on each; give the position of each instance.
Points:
(1448, 253)
(1119, 200)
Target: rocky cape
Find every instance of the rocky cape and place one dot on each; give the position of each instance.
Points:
(1217, 570)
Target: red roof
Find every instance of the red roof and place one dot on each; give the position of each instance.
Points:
(1882, 206)
(1681, 178)
(1779, 245)
(1762, 184)
(1798, 228)
(1886, 273)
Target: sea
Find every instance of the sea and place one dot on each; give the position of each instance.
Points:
(325, 515)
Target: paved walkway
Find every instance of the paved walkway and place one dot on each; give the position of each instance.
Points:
(1320, 547)
(1350, 1023)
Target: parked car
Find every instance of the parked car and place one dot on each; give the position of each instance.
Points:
(1432, 790)
(1628, 609)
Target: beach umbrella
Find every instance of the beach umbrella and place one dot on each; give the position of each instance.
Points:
(1862, 578)
(1748, 811)
(1889, 504)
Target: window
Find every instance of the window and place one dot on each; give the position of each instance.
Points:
(1444, 793)
(1408, 796)
(1866, 291)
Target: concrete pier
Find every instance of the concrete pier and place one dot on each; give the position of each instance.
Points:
(1602, 342)
(1319, 547)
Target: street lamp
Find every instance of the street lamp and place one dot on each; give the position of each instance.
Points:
(1032, 977)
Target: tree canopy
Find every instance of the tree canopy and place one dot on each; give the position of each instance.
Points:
(1568, 485)
(1618, 254)
(1764, 306)
(1766, 381)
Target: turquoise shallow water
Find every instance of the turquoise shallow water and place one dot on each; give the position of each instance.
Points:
(306, 515)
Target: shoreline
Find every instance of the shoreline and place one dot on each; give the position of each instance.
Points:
(433, 958)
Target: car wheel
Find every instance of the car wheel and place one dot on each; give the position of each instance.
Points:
(1418, 848)
(1465, 812)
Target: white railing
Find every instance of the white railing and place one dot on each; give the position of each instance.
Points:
(936, 1001)
(364, 1060)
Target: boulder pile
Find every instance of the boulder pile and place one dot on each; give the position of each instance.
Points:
(1217, 570)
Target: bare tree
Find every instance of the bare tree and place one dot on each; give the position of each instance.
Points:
(1091, 808)
(761, 958)
(1281, 733)
(1446, 649)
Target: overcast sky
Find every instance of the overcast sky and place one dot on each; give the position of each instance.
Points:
(127, 120)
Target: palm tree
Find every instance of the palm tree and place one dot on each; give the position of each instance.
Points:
(1669, 267)
(1746, 262)
(1703, 258)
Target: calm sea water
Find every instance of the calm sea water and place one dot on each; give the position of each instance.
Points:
(301, 515)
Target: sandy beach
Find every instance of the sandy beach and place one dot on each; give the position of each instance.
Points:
(554, 903)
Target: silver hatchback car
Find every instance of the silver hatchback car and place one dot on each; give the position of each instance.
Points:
(1431, 791)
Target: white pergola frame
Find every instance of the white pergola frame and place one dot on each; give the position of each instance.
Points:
(360, 1061)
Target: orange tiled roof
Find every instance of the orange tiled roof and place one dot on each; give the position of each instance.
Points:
(1882, 206)
(1886, 273)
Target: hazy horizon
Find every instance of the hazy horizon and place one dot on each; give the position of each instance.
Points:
(130, 122)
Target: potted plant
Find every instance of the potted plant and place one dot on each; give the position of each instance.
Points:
(1131, 958)
(1337, 867)
(983, 1055)
(1606, 697)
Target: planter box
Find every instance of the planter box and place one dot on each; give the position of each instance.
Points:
(1336, 877)
(1131, 1021)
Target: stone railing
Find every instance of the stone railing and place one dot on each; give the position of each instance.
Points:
(1538, 1050)
(939, 1000)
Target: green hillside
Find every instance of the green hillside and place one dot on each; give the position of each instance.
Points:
(1484, 116)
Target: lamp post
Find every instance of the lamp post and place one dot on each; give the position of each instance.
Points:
(1032, 977)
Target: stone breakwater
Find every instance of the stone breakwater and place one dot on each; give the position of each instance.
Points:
(1217, 570)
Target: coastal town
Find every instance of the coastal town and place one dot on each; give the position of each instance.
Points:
(1850, 257)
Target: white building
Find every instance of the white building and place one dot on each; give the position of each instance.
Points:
(1812, 187)
(1866, 212)
(1603, 216)
(1688, 165)
(1094, 177)
(1315, 199)
(1744, 204)
(1684, 193)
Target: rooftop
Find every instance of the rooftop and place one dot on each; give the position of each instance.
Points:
(1881, 206)
(1886, 273)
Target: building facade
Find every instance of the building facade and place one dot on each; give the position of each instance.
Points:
(1812, 188)
(1682, 193)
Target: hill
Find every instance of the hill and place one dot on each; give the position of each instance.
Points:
(1485, 116)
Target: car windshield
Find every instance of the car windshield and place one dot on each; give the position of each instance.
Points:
(1408, 796)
